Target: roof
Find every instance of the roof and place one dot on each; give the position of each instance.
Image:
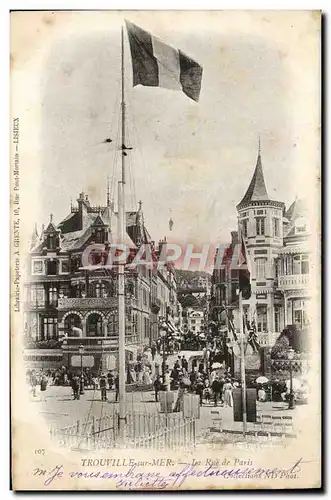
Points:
(73, 236)
(293, 249)
(257, 190)
(297, 209)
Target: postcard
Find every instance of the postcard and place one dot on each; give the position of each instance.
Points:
(165, 250)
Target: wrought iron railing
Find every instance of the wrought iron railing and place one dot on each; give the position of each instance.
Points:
(293, 281)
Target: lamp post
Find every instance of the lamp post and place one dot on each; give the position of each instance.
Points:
(81, 352)
(290, 355)
(163, 334)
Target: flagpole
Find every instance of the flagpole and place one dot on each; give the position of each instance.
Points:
(242, 363)
(121, 285)
(242, 349)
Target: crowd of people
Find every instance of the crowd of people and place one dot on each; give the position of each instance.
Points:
(153, 371)
(215, 386)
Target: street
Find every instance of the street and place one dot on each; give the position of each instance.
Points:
(59, 408)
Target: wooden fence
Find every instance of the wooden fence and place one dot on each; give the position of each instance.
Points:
(142, 430)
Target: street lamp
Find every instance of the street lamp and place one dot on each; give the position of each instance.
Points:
(290, 355)
(81, 352)
(163, 334)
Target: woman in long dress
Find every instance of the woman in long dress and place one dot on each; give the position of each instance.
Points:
(147, 376)
(227, 393)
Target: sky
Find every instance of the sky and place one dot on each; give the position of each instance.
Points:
(190, 161)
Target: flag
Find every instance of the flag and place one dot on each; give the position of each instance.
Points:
(232, 339)
(156, 64)
(244, 273)
(253, 345)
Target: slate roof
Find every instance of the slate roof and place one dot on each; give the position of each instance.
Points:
(297, 209)
(257, 190)
(75, 239)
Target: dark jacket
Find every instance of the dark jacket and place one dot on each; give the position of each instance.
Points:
(157, 384)
(103, 383)
(199, 387)
(217, 386)
(43, 384)
(75, 382)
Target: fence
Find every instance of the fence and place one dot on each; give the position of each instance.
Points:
(142, 430)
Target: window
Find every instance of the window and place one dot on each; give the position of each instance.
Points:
(259, 226)
(112, 327)
(52, 296)
(300, 264)
(75, 263)
(262, 319)
(134, 324)
(276, 227)
(37, 296)
(193, 328)
(64, 266)
(193, 321)
(37, 266)
(49, 328)
(145, 297)
(277, 319)
(245, 227)
(99, 290)
(276, 267)
(51, 242)
(51, 267)
(99, 236)
(234, 291)
(260, 269)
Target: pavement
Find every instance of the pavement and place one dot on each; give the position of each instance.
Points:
(59, 408)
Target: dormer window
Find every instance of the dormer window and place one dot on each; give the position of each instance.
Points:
(300, 225)
(99, 236)
(51, 242)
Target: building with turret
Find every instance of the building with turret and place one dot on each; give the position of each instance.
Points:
(68, 305)
(277, 246)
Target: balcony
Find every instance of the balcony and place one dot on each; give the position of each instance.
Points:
(99, 343)
(87, 303)
(92, 303)
(292, 281)
(32, 305)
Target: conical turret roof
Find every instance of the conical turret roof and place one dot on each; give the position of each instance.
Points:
(257, 190)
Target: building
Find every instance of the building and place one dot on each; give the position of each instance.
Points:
(68, 306)
(277, 247)
(293, 267)
(195, 321)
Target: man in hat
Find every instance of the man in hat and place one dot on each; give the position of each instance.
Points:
(217, 389)
(103, 387)
(75, 384)
(157, 387)
(199, 387)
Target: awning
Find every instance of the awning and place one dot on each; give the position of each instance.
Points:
(294, 249)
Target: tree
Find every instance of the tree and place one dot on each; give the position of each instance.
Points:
(189, 301)
(292, 336)
(279, 350)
